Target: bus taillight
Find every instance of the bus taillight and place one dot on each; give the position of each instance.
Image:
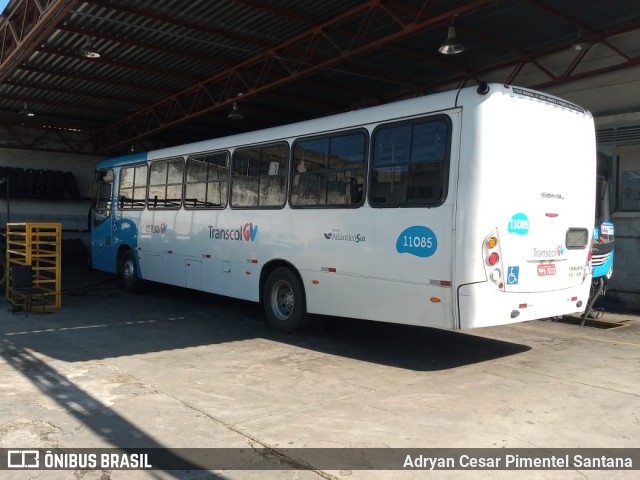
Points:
(492, 259)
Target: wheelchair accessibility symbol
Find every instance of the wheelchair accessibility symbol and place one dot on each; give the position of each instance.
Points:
(512, 275)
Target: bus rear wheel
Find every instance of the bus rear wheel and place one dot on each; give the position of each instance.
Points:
(129, 273)
(284, 303)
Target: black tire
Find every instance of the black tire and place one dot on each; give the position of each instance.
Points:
(19, 185)
(31, 177)
(71, 185)
(60, 187)
(41, 184)
(4, 174)
(128, 270)
(3, 272)
(284, 301)
(49, 183)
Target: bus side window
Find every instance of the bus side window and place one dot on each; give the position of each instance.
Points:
(390, 160)
(133, 187)
(260, 176)
(410, 163)
(165, 184)
(329, 171)
(207, 181)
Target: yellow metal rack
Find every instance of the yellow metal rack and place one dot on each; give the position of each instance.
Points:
(38, 245)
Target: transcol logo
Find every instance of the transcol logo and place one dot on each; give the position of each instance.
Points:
(550, 253)
(161, 228)
(247, 232)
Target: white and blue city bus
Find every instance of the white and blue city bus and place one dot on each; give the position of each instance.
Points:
(455, 210)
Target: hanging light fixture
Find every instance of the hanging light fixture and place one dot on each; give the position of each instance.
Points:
(88, 49)
(25, 112)
(451, 45)
(581, 43)
(235, 113)
(580, 46)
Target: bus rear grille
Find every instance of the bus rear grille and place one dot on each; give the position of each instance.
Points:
(598, 260)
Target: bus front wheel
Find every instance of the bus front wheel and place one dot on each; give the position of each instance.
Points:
(284, 302)
(129, 273)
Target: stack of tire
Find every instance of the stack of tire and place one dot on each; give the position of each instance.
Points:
(38, 183)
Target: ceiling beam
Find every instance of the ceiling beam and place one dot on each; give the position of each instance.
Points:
(534, 58)
(315, 50)
(102, 80)
(171, 19)
(43, 139)
(119, 64)
(26, 26)
(94, 34)
(261, 6)
(44, 90)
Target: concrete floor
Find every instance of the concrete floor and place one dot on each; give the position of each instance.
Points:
(169, 368)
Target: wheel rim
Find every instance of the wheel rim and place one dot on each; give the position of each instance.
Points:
(282, 300)
(128, 271)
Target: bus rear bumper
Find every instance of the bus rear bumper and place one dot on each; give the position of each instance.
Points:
(482, 305)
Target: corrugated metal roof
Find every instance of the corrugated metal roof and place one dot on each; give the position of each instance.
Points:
(168, 70)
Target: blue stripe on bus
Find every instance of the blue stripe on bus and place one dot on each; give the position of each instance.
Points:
(603, 269)
(125, 160)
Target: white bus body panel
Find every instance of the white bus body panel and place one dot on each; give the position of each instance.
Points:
(356, 272)
(481, 305)
(527, 177)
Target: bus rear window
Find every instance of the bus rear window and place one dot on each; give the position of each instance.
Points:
(577, 238)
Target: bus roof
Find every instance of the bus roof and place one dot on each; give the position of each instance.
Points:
(467, 96)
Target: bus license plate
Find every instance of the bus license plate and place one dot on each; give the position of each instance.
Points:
(546, 269)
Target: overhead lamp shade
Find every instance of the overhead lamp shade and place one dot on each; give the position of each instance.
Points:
(451, 45)
(235, 113)
(580, 46)
(25, 112)
(88, 50)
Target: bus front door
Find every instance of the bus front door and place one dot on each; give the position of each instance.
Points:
(103, 255)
